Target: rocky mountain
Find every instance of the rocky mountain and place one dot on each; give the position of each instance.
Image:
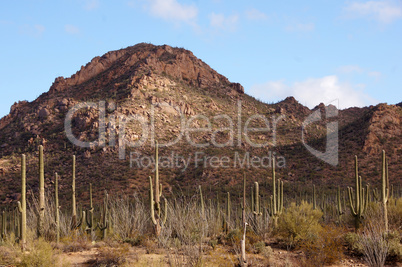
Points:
(118, 104)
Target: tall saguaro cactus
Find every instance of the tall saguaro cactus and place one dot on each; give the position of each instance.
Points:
(155, 204)
(384, 189)
(74, 223)
(22, 206)
(56, 197)
(228, 208)
(104, 225)
(276, 198)
(243, 260)
(202, 202)
(90, 215)
(41, 217)
(314, 199)
(361, 198)
(256, 211)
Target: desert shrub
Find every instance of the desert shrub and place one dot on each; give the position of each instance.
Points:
(326, 247)
(40, 254)
(374, 244)
(49, 220)
(395, 213)
(80, 243)
(107, 256)
(129, 218)
(7, 255)
(299, 223)
(395, 247)
(352, 241)
(262, 249)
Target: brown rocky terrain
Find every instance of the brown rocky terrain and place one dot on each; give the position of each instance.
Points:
(162, 86)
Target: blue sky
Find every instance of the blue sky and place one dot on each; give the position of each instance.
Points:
(317, 51)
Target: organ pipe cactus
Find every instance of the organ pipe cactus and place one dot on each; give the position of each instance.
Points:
(155, 204)
(22, 206)
(276, 206)
(360, 198)
(41, 217)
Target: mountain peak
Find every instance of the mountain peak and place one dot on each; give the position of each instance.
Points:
(144, 59)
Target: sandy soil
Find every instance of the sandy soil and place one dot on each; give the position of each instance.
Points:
(218, 257)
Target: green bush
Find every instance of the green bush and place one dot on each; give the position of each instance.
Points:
(352, 241)
(395, 213)
(41, 254)
(395, 247)
(299, 223)
(326, 248)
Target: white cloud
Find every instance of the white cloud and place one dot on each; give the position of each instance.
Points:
(172, 10)
(383, 11)
(71, 29)
(39, 28)
(35, 31)
(91, 4)
(255, 14)
(347, 69)
(375, 74)
(356, 69)
(300, 27)
(223, 22)
(313, 91)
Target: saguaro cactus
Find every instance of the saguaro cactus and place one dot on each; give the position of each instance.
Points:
(243, 260)
(314, 198)
(74, 223)
(104, 225)
(256, 211)
(339, 204)
(56, 198)
(202, 203)
(361, 198)
(227, 218)
(277, 197)
(384, 189)
(22, 206)
(41, 217)
(155, 204)
(90, 215)
(3, 225)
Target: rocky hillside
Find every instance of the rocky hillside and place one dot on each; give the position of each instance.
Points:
(128, 98)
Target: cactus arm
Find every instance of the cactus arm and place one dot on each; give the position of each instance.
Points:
(352, 209)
